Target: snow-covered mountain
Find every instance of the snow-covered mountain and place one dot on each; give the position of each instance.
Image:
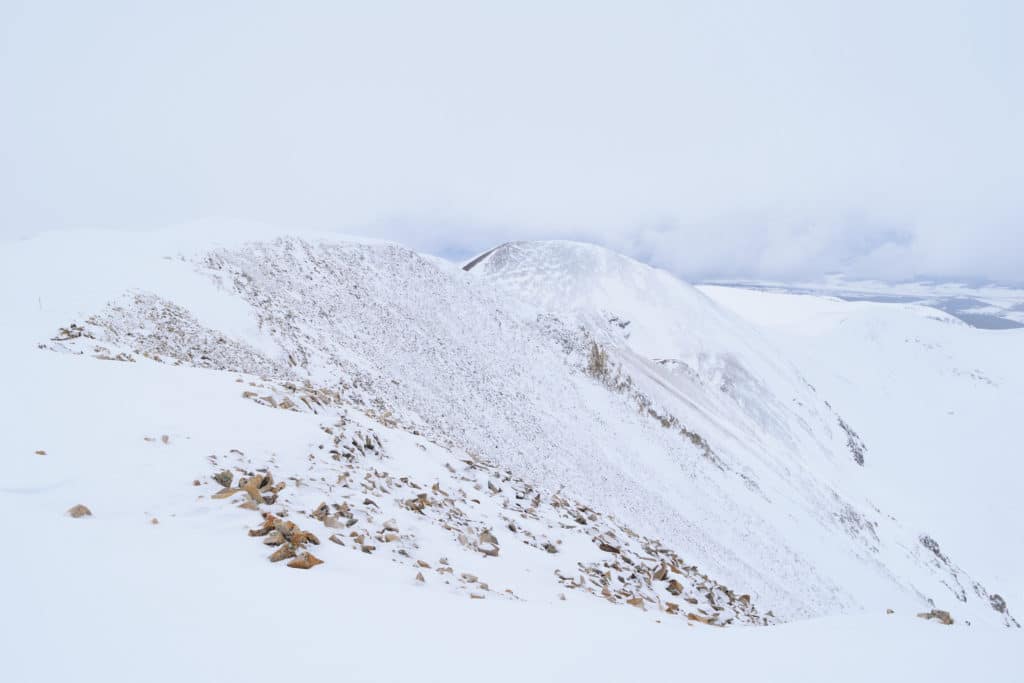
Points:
(783, 460)
(552, 422)
(936, 399)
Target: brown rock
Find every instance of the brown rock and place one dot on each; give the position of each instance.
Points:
(674, 587)
(419, 577)
(40, 452)
(635, 602)
(704, 620)
(224, 478)
(274, 538)
(305, 561)
(154, 521)
(939, 615)
(301, 537)
(268, 526)
(334, 538)
(224, 493)
(283, 553)
(80, 511)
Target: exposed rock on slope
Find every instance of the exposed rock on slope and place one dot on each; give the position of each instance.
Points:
(689, 429)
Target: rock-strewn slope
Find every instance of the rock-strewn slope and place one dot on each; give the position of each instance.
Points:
(651, 405)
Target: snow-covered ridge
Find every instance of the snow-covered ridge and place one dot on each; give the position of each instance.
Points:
(693, 432)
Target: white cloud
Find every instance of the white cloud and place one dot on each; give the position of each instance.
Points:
(754, 139)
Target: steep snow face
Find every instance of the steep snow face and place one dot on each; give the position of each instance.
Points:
(687, 427)
(763, 422)
(937, 400)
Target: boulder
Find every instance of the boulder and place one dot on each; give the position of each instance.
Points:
(305, 561)
(80, 511)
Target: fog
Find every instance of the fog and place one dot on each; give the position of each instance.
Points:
(718, 139)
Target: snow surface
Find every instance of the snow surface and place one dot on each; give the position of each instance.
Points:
(468, 386)
(937, 400)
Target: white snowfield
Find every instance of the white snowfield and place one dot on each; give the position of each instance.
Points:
(559, 464)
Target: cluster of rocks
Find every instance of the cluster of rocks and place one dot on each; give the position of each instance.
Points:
(288, 540)
(363, 501)
(259, 487)
(639, 571)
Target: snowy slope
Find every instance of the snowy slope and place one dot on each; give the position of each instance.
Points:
(768, 427)
(937, 401)
(439, 427)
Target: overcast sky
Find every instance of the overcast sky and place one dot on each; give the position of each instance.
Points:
(728, 139)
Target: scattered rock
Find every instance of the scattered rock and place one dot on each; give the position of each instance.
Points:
(80, 511)
(283, 553)
(273, 538)
(305, 561)
(419, 577)
(40, 452)
(334, 538)
(165, 439)
(224, 478)
(154, 521)
(939, 615)
(300, 537)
